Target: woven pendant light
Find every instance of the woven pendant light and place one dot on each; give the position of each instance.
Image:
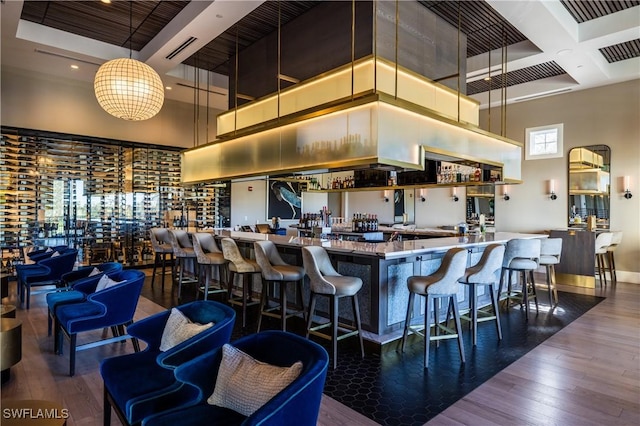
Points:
(129, 89)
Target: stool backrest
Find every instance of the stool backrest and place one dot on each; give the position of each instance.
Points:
(603, 240)
(489, 264)
(317, 264)
(204, 243)
(551, 247)
(616, 239)
(267, 254)
(231, 252)
(159, 238)
(179, 240)
(520, 248)
(452, 268)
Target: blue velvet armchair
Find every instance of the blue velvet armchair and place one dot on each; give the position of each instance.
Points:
(112, 307)
(70, 280)
(297, 404)
(47, 272)
(37, 255)
(131, 379)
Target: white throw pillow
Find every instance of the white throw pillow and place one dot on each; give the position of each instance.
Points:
(48, 250)
(95, 272)
(106, 282)
(178, 329)
(245, 384)
(55, 254)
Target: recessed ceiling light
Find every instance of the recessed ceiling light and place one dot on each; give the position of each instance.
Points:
(168, 87)
(106, 1)
(564, 52)
(74, 67)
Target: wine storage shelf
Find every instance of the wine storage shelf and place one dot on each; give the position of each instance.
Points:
(101, 197)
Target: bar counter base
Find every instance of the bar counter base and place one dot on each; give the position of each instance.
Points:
(576, 280)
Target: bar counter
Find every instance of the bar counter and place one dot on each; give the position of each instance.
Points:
(385, 250)
(383, 268)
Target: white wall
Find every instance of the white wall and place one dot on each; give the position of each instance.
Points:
(249, 202)
(607, 115)
(37, 101)
(439, 208)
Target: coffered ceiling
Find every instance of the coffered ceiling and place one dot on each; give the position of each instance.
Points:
(551, 46)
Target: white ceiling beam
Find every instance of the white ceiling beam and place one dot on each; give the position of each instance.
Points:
(203, 20)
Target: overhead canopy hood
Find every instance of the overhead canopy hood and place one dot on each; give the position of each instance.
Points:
(387, 123)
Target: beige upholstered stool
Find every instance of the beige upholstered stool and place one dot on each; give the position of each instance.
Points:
(239, 265)
(484, 274)
(603, 241)
(616, 239)
(186, 256)
(521, 256)
(210, 259)
(326, 281)
(550, 252)
(276, 270)
(443, 283)
(161, 245)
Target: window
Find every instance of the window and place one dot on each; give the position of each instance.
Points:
(543, 142)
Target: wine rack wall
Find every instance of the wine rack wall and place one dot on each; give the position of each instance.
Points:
(101, 197)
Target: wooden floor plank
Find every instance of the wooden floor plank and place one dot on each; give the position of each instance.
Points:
(586, 374)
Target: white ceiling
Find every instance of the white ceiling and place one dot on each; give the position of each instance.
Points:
(554, 36)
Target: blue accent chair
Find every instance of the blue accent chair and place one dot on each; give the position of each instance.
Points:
(37, 255)
(112, 307)
(70, 278)
(47, 272)
(70, 294)
(130, 379)
(298, 404)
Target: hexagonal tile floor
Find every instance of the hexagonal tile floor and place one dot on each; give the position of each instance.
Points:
(394, 389)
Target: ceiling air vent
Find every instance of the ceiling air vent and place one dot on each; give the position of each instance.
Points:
(180, 48)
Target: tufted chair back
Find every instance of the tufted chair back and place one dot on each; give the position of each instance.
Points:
(452, 268)
(160, 240)
(522, 254)
(485, 271)
(550, 251)
(181, 243)
(237, 263)
(317, 264)
(603, 241)
(267, 256)
(204, 244)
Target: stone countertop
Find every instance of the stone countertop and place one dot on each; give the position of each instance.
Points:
(386, 250)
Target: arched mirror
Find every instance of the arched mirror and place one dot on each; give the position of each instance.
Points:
(480, 200)
(589, 182)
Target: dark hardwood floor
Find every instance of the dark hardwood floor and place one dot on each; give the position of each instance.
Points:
(587, 373)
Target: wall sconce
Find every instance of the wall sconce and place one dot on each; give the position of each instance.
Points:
(552, 189)
(627, 191)
(385, 196)
(422, 195)
(505, 193)
(454, 195)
